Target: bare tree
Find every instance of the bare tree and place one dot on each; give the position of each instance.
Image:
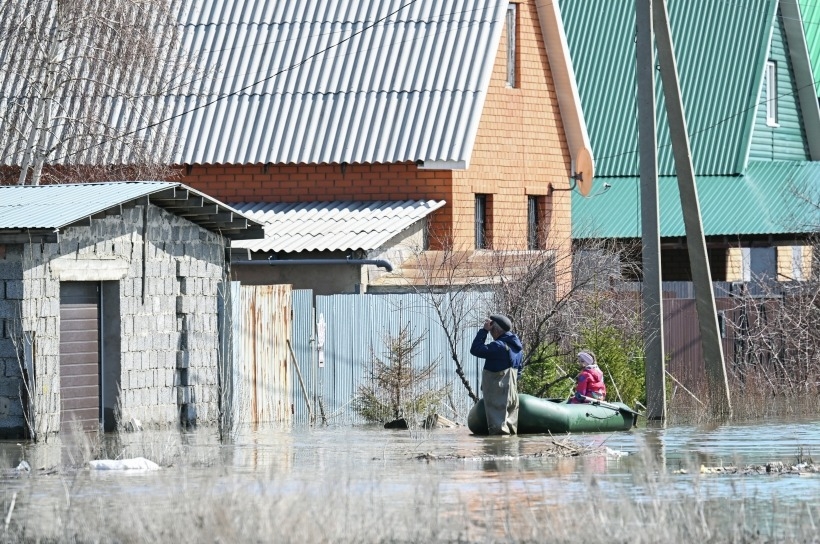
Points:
(82, 84)
(538, 289)
(775, 328)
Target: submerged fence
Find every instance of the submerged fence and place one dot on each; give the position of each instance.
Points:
(320, 351)
(299, 358)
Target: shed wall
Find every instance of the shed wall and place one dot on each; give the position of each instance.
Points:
(168, 275)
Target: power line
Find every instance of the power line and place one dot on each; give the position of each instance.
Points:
(246, 87)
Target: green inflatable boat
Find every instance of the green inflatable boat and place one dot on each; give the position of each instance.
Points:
(536, 415)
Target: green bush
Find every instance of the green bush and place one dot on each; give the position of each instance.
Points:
(548, 374)
(551, 373)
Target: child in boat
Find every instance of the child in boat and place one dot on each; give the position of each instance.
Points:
(590, 382)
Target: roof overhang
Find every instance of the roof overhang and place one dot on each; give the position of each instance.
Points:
(28, 236)
(773, 201)
(566, 87)
(207, 213)
(40, 213)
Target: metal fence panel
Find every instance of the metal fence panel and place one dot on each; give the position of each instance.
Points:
(262, 385)
(303, 342)
(357, 327)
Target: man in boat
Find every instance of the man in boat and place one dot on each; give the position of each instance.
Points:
(499, 380)
(589, 384)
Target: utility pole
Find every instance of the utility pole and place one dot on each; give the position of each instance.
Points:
(651, 295)
(695, 241)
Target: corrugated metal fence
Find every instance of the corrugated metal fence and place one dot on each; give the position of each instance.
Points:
(260, 375)
(331, 342)
(357, 329)
(277, 330)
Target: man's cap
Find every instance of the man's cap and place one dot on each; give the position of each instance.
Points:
(502, 321)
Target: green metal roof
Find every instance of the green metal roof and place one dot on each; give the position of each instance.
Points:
(810, 13)
(771, 198)
(714, 44)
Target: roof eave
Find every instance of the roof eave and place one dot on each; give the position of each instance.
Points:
(207, 212)
(801, 63)
(563, 76)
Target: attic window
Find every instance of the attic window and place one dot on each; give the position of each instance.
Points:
(511, 31)
(771, 94)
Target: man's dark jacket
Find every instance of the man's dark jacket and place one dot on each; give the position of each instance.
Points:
(500, 354)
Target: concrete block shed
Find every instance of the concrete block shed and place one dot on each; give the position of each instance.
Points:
(109, 305)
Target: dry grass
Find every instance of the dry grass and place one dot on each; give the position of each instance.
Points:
(752, 401)
(429, 505)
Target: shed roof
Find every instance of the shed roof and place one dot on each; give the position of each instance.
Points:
(48, 208)
(771, 199)
(332, 226)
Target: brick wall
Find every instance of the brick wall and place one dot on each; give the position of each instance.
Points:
(324, 182)
(519, 150)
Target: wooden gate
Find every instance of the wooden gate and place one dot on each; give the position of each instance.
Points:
(80, 355)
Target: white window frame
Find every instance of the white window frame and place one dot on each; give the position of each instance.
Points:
(771, 94)
(511, 45)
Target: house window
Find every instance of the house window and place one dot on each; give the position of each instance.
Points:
(481, 222)
(797, 264)
(511, 31)
(771, 93)
(533, 223)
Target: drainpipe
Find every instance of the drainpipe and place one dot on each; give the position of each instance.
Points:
(288, 262)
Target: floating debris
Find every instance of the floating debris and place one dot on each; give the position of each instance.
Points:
(137, 463)
(559, 448)
(776, 467)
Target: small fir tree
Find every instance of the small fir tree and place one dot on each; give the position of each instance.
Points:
(395, 387)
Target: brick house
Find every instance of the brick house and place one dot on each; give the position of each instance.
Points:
(109, 305)
(471, 103)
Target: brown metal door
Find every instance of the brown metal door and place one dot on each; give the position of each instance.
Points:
(80, 354)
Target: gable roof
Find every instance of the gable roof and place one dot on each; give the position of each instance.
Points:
(810, 16)
(332, 226)
(327, 82)
(336, 81)
(44, 209)
(721, 51)
(775, 198)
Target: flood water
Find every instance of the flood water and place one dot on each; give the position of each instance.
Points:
(391, 465)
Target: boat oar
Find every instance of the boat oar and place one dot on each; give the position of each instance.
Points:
(604, 404)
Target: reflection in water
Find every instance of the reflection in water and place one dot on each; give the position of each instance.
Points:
(464, 475)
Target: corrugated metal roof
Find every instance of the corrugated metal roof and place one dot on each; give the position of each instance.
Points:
(332, 226)
(720, 49)
(328, 81)
(57, 206)
(771, 198)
